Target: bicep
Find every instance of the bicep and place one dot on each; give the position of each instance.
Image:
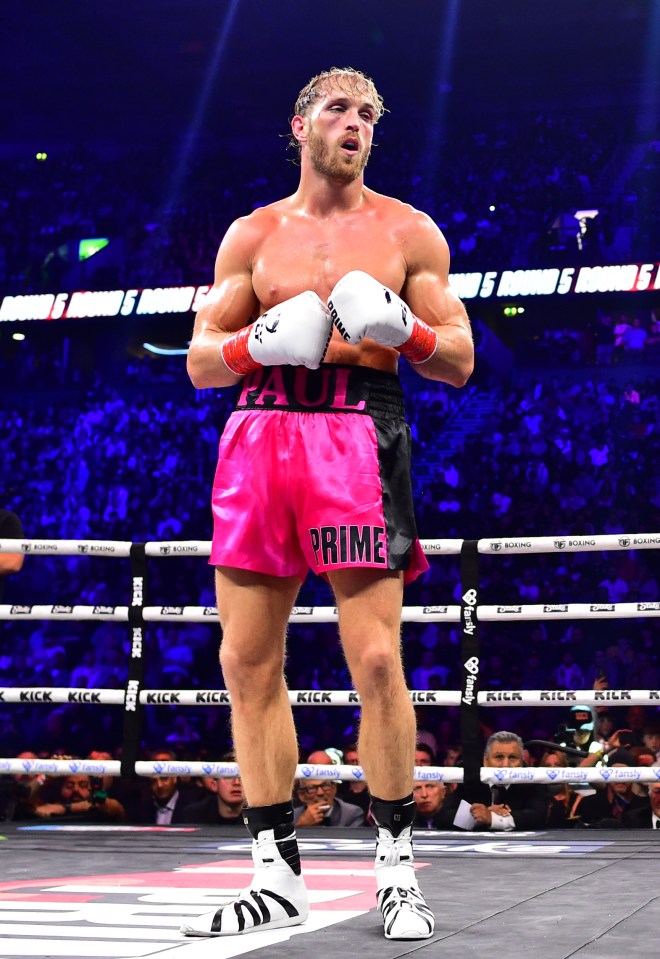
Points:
(426, 289)
(231, 302)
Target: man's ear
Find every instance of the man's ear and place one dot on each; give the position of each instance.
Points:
(299, 128)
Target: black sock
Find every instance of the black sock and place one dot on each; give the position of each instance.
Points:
(279, 818)
(394, 814)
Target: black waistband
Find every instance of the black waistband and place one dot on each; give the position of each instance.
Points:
(330, 389)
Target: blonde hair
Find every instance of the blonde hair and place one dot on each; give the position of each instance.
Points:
(346, 78)
(349, 80)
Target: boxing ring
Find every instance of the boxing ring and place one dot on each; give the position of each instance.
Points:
(565, 893)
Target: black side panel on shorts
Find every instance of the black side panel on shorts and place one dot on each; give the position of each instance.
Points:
(394, 457)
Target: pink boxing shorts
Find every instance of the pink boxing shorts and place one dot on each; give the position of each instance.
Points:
(314, 473)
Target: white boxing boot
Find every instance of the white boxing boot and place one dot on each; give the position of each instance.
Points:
(276, 896)
(404, 910)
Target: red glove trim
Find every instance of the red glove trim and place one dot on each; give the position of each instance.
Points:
(236, 354)
(420, 345)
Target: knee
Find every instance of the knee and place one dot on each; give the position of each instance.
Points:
(377, 670)
(246, 667)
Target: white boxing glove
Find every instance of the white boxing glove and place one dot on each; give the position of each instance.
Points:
(293, 333)
(361, 306)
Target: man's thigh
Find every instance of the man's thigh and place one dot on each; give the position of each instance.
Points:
(369, 606)
(254, 608)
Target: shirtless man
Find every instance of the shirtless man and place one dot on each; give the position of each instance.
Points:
(314, 472)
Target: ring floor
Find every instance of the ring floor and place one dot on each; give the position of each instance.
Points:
(94, 891)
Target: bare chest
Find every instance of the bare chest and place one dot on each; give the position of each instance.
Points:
(315, 255)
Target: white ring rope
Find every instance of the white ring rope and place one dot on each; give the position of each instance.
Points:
(531, 544)
(328, 614)
(436, 613)
(332, 697)
(445, 774)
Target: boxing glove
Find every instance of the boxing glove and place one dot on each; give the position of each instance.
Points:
(294, 333)
(361, 306)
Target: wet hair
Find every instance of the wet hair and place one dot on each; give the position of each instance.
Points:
(349, 80)
(346, 78)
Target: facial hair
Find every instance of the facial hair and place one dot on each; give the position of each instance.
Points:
(330, 162)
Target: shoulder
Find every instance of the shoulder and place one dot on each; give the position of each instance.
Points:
(405, 217)
(247, 232)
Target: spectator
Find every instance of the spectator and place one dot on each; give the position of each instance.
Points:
(75, 797)
(223, 802)
(429, 796)
(510, 806)
(608, 804)
(354, 792)
(318, 805)
(645, 816)
(164, 802)
(561, 798)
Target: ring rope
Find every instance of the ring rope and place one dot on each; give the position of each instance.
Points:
(445, 774)
(331, 697)
(328, 614)
(138, 614)
(532, 544)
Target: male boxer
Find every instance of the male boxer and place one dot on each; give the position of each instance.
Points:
(316, 297)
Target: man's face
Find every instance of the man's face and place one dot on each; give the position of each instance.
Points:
(652, 741)
(230, 790)
(429, 797)
(76, 789)
(339, 130)
(422, 758)
(351, 757)
(552, 759)
(163, 788)
(654, 796)
(504, 754)
(317, 792)
(620, 787)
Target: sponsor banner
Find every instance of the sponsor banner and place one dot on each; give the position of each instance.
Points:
(56, 611)
(570, 544)
(612, 278)
(580, 774)
(66, 547)
(431, 614)
(180, 614)
(433, 547)
(559, 697)
(179, 548)
(30, 694)
(60, 767)
(570, 611)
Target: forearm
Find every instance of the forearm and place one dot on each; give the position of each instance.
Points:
(206, 367)
(453, 359)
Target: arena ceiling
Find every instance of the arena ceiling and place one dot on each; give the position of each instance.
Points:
(136, 71)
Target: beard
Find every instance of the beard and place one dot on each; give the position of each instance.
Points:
(330, 162)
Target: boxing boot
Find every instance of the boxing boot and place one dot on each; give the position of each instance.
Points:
(404, 910)
(276, 896)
